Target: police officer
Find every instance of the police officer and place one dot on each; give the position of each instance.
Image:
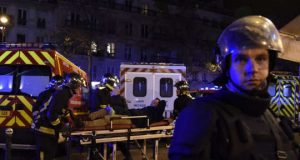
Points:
(235, 123)
(183, 97)
(56, 117)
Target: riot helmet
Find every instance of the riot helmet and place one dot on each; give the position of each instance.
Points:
(55, 82)
(247, 33)
(110, 81)
(73, 80)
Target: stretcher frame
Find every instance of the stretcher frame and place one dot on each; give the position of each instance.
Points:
(111, 135)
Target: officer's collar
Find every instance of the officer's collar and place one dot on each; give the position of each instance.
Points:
(251, 105)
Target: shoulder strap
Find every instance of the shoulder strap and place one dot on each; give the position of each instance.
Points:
(281, 153)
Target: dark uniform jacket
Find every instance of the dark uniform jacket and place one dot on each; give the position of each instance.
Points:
(41, 104)
(228, 126)
(181, 102)
(100, 98)
(57, 112)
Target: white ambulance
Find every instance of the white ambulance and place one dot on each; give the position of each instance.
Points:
(142, 82)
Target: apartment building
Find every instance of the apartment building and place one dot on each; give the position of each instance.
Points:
(123, 30)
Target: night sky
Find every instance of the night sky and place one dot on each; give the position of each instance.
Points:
(279, 11)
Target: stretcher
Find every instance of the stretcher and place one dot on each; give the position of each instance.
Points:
(114, 132)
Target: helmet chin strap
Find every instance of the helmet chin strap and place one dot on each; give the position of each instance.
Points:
(232, 86)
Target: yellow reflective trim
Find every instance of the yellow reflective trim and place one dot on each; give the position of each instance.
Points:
(80, 113)
(4, 55)
(24, 58)
(1, 120)
(11, 59)
(36, 57)
(48, 57)
(19, 122)
(26, 116)
(102, 106)
(55, 122)
(11, 122)
(68, 115)
(25, 102)
(5, 102)
(41, 155)
(46, 130)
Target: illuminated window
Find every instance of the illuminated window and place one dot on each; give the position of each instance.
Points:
(166, 87)
(145, 9)
(111, 49)
(139, 86)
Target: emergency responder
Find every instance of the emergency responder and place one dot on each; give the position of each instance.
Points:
(101, 96)
(183, 97)
(40, 104)
(235, 122)
(56, 117)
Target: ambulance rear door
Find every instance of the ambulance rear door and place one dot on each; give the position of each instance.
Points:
(138, 89)
(164, 88)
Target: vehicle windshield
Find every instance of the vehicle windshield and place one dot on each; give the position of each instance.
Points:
(30, 80)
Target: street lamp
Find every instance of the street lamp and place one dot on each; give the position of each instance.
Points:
(3, 24)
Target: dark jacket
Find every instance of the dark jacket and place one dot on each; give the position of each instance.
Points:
(154, 113)
(228, 126)
(57, 113)
(100, 97)
(180, 103)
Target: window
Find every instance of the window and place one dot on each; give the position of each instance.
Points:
(127, 52)
(287, 90)
(21, 38)
(39, 39)
(128, 28)
(139, 86)
(41, 23)
(22, 17)
(74, 19)
(128, 5)
(166, 87)
(144, 31)
(2, 10)
(6, 78)
(143, 57)
(28, 80)
(111, 49)
(145, 9)
(272, 89)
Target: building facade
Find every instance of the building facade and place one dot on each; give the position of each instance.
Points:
(123, 30)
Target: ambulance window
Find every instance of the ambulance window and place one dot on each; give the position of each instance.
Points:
(272, 89)
(287, 90)
(6, 78)
(34, 79)
(139, 87)
(166, 87)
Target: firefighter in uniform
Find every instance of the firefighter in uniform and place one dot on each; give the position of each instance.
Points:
(41, 102)
(101, 97)
(56, 117)
(235, 123)
(183, 97)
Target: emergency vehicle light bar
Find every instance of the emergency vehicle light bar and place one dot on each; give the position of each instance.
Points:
(28, 45)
